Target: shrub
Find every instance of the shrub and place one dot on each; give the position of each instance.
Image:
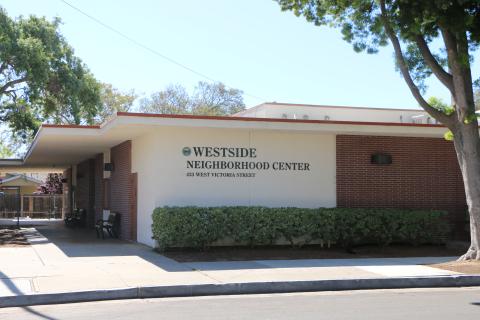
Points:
(201, 227)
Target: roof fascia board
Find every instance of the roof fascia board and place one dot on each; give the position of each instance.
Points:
(338, 127)
(142, 118)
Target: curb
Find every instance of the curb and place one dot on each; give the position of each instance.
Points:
(68, 297)
(239, 288)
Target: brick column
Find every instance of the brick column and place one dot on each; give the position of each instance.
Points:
(121, 189)
(85, 190)
(98, 186)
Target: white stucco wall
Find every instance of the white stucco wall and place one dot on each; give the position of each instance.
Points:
(162, 171)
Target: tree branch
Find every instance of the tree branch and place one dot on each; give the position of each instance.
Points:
(456, 50)
(8, 91)
(11, 83)
(444, 77)
(3, 66)
(440, 116)
(451, 46)
(462, 49)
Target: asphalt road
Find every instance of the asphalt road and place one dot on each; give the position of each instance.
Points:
(408, 304)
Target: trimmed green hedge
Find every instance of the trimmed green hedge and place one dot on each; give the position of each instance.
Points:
(201, 227)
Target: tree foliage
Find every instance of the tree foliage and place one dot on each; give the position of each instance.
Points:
(414, 28)
(213, 99)
(113, 100)
(414, 24)
(216, 99)
(52, 185)
(173, 100)
(5, 151)
(41, 80)
(6, 146)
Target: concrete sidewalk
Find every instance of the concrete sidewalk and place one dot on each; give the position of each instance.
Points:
(63, 260)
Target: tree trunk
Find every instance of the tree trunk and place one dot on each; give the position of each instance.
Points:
(459, 83)
(467, 146)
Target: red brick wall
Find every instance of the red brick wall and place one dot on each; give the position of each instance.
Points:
(121, 188)
(67, 195)
(85, 190)
(133, 204)
(98, 186)
(424, 175)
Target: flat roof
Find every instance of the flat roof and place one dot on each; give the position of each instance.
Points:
(257, 119)
(56, 147)
(279, 104)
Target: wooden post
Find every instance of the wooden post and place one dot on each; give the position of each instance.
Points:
(30, 204)
(21, 204)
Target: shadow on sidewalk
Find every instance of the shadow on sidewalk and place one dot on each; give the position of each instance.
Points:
(16, 291)
(314, 263)
(83, 242)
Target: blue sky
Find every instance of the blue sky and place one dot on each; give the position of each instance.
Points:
(248, 44)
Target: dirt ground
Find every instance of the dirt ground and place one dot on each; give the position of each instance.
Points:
(468, 267)
(310, 252)
(12, 237)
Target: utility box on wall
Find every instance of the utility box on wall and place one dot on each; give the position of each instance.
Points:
(381, 158)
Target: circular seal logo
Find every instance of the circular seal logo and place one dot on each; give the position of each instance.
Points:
(186, 151)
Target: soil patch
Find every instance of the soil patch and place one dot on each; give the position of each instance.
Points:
(467, 267)
(9, 236)
(309, 252)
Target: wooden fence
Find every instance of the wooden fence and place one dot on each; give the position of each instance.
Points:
(31, 205)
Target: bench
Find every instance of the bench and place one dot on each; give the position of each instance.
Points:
(110, 225)
(76, 219)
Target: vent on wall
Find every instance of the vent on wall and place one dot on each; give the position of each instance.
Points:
(381, 158)
(418, 118)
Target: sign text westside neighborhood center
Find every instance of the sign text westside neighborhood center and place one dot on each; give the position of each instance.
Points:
(233, 158)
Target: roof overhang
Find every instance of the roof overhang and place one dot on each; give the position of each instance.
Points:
(22, 178)
(57, 147)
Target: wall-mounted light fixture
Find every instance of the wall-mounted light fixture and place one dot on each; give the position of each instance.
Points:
(108, 167)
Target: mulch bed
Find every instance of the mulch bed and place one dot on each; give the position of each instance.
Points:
(309, 252)
(10, 236)
(468, 267)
